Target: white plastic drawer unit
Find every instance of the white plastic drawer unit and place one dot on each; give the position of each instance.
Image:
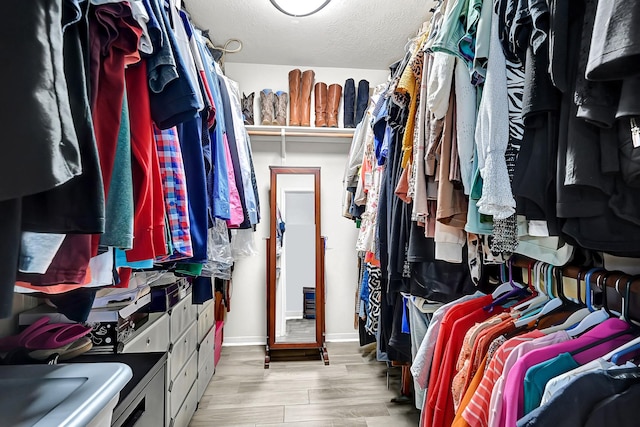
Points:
(205, 350)
(206, 306)
(188, 408)
(153, 337)
(182, 315)
(205, 320)
(180, 386)
(182, 348)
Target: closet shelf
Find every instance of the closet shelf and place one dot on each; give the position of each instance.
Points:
(298, 134)
(345, 134)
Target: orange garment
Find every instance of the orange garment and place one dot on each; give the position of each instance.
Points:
(462, 367)
(473, 385)
(476, 412)
(483, 343)
(402, 188)
(370, 258)
(57, 289)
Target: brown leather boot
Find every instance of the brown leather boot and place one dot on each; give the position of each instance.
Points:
(281, 108)
(333, 103)
(295, 81)
(267, 102)
(321, 104)
(305, 97)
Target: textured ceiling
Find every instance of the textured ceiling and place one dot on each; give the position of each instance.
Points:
(346, 33)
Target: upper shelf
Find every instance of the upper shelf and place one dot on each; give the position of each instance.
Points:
(302, 133)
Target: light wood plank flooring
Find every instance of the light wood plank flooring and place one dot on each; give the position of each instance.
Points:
(352, 391)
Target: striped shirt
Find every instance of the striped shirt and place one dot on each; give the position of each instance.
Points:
(477, 411)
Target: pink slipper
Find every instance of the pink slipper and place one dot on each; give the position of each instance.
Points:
(17, 341)
(55, 335)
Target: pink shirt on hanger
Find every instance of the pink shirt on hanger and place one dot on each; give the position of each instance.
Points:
(496, 407)
(513, 396)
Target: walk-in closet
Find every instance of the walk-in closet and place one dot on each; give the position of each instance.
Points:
(320, 213)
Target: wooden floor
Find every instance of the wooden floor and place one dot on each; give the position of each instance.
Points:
(299, 330)
(352, 391)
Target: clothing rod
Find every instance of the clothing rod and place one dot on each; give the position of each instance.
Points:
(307, 134)
(609, 278)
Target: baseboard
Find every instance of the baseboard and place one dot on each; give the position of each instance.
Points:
(293, 315)
(343, 337)
(238, 341)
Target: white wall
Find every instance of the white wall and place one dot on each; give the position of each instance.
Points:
(246, 323)
(255, 77)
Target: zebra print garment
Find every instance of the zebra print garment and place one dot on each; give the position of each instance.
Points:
(375, 293)
(505, 231)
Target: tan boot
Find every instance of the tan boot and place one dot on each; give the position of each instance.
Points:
(333, 104)
(281, 108)
(305, 97)
(267, 112)
(295, 80)
(321, 104)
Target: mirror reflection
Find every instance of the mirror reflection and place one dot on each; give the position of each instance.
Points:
(295, 259)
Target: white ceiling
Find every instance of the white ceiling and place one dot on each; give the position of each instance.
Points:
(346, 33)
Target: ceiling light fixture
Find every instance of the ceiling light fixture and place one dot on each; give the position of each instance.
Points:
(298, 8)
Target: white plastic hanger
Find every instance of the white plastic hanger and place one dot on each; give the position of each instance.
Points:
(540, 299)
(595, 317)
(573, 318)
(506, 286)
(548, 307)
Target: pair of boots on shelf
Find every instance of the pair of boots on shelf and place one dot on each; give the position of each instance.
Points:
(300, 86)
(327, 101)
(355, 106)
(273, 107)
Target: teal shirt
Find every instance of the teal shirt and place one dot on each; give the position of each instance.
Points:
(538, 376)
(118, 230)
(454, 28)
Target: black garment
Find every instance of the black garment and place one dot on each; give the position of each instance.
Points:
(364, 336)
(400, 341)
(629, 155)
(202, 290)
(558, 40)
(615, 45)
(582, 188)
(581, 396)
(10, 213)
(77, 206)
(349, 103)
(362, 100)
(75, 304)
(618, 410)
(597, 101)
(629, 103)
(534, 176)
(433, 279)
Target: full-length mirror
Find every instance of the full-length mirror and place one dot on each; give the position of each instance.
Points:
(295, 288)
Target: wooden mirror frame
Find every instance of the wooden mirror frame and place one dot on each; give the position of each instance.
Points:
(319, 343)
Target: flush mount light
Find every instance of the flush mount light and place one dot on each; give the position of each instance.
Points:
(299, 8)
